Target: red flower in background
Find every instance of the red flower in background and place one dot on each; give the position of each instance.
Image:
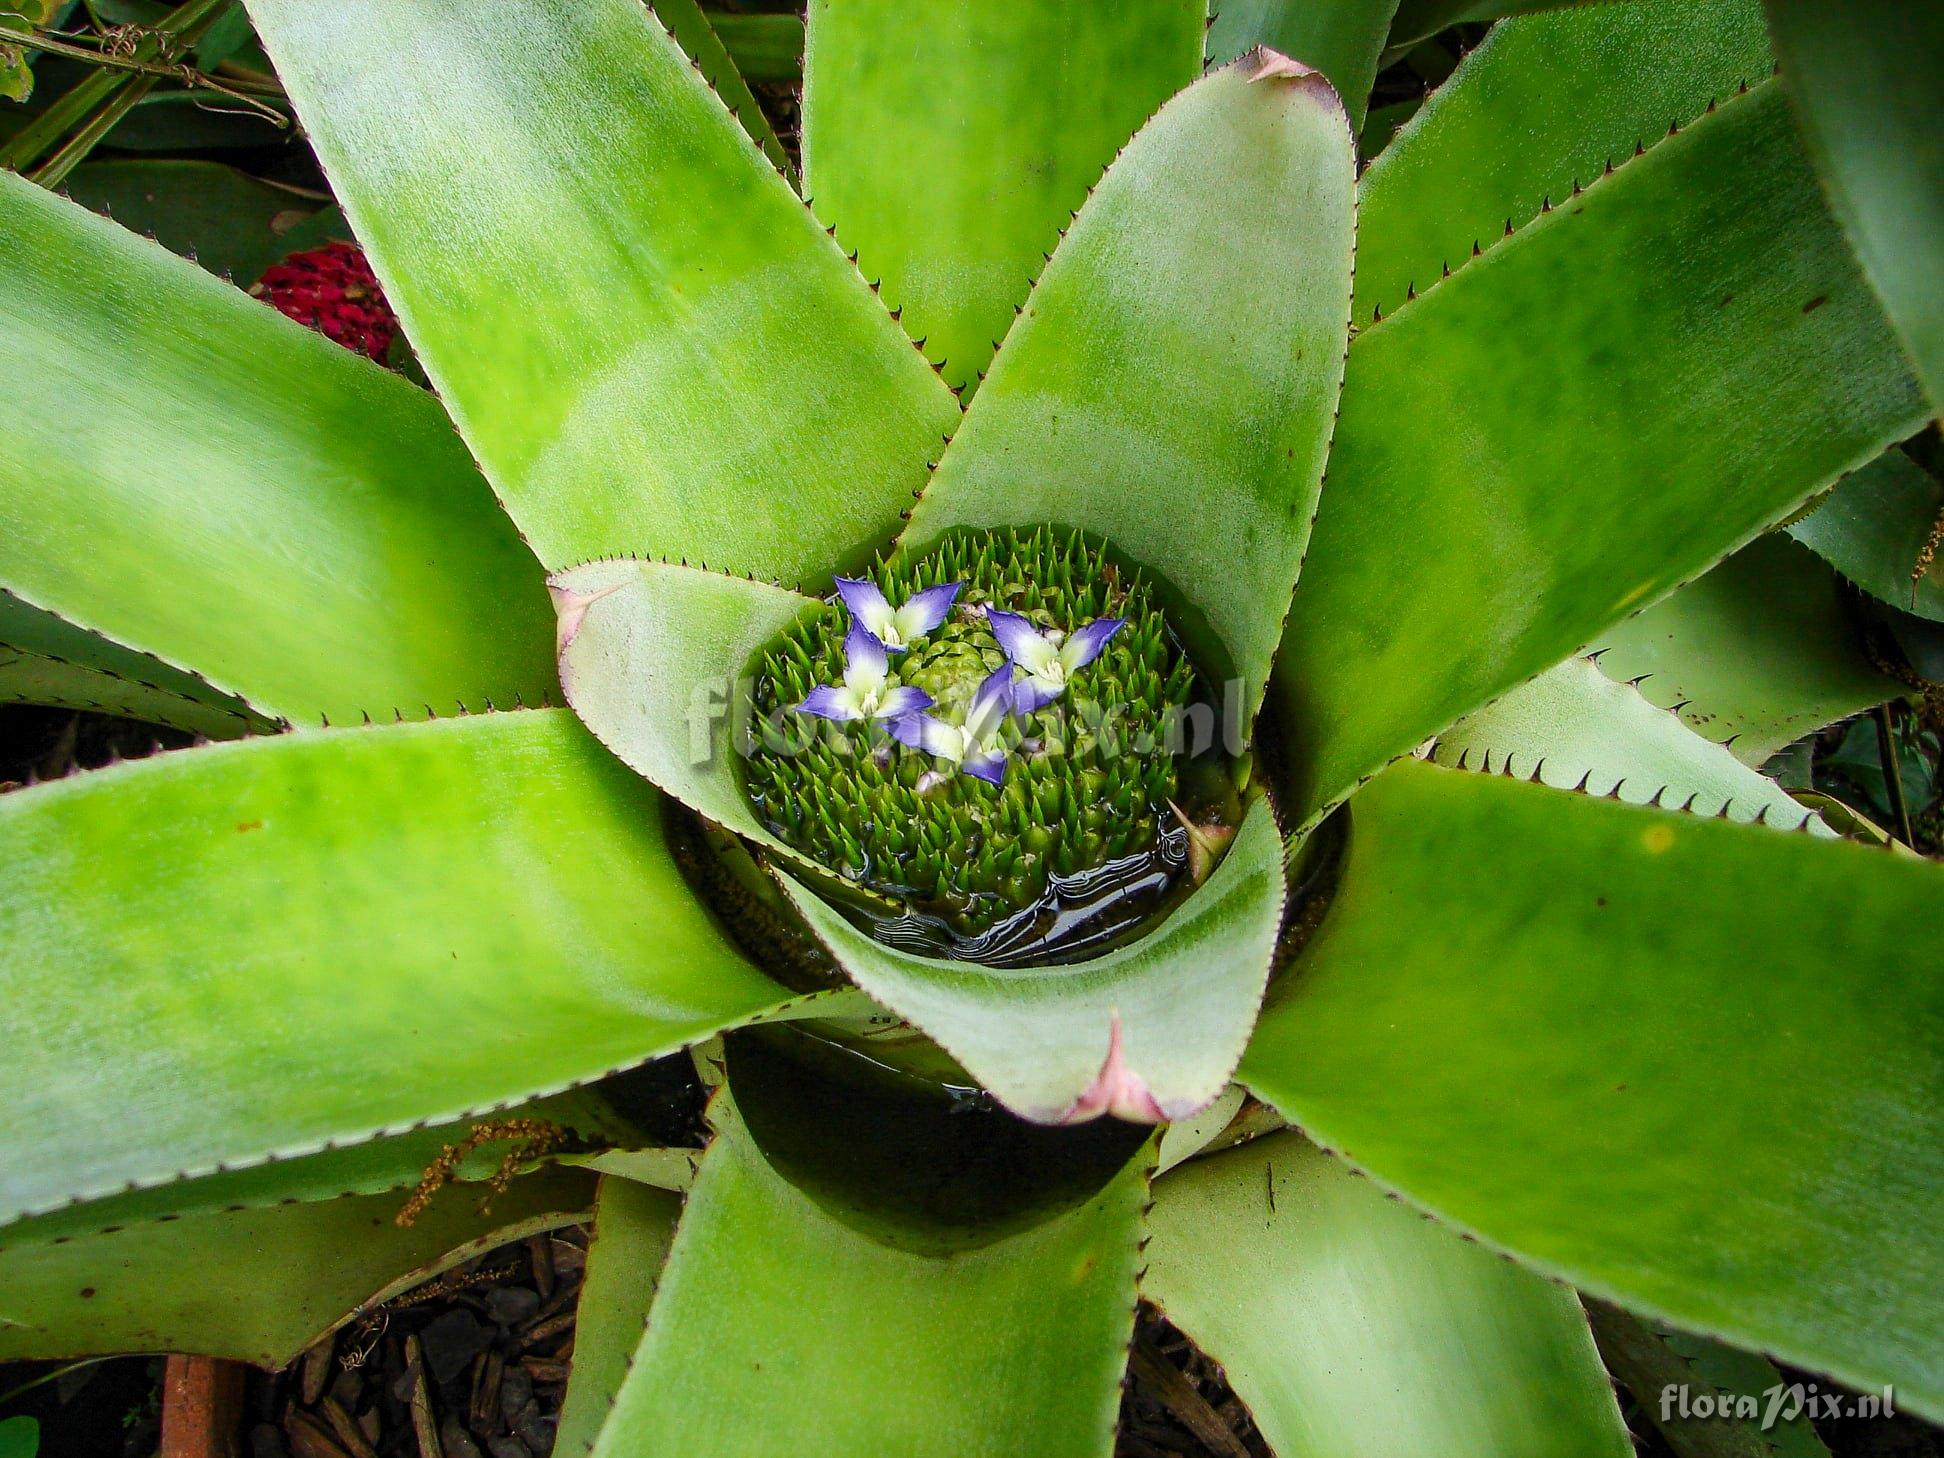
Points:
(333, 290)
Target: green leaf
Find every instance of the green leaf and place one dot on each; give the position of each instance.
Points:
(198, 478)
(633, 1226)
(19, 1437)
(949, 145)
(1567, 428)
(1873, 529)
(199, 1284)
(698, 37)
(1759, 652)
(1666, 1368)
(1863, 77)
(1535, 111)
(648, 342)
(1166, 357)
(392, 1164)
(765, 48)
(46, 661)
(1573, 727)
(1688, 1066)
(1154, 1027)
(655, 658)
(1352, 1327)
(231, 223)
(777, 1329)
(417, 923)
(1340, 38)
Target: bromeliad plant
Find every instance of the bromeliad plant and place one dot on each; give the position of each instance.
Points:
(850, 504)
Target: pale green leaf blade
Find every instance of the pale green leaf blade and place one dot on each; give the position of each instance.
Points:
(44, 660)
(949, 145)
(1574, 728)
(1542, 106)
(1874, 528)
(1354, 1328)
(1170, 386)
(697, 35)
(765, 47)
(646, 339)
(203, 1283)
(418, 923)
(1759, 652)
(1669, 1371)
(198, 478)
(1156, 1026)
(1863, 78)
(777, 1329)
(1340, 38)
(1567, 428)
(633, 1227)
(1689, 1066)
(656, 660)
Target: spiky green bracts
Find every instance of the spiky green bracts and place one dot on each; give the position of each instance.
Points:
(889, 797)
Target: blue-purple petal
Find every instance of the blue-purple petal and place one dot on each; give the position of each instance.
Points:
(993, 697)
(864, 599)
(826, 702)
(922, 731)
(1030, 695)
(923, 611)
(863, 653)
(1017, 637)
(988, 767)
(1085, 644)
(906, 699)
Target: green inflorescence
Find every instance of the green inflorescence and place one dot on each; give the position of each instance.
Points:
(1088, 780)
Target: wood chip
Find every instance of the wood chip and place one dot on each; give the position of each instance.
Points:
(347, 1430)
(424, 1426)
(317, 1369)
(484, 1415)
(540, 1253)
(1167, 1385)
(545, 1369)
(547, 1330)
(307, 1439)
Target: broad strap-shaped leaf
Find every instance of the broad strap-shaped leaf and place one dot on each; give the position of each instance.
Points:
(1171, 383)
(1354, 1328)
(1149, 1031)
(1863, 77)
(1874, 528)
(633, 1227)
(1538, 110)
(1762, 650)
(1340, 38)
(44, 660)
(311, 939)
(259, 1284)
(1574, 728)
(948, 145)
(1572, 425)
(656, 659)
(1689, 1066)
(697, 36)
(648, 342)
(776, 1329)
(199, 478)
(1668, 1370)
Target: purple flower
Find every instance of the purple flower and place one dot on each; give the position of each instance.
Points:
(971, 747)
(866, 692)
(896, 628)
(1049, 663)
